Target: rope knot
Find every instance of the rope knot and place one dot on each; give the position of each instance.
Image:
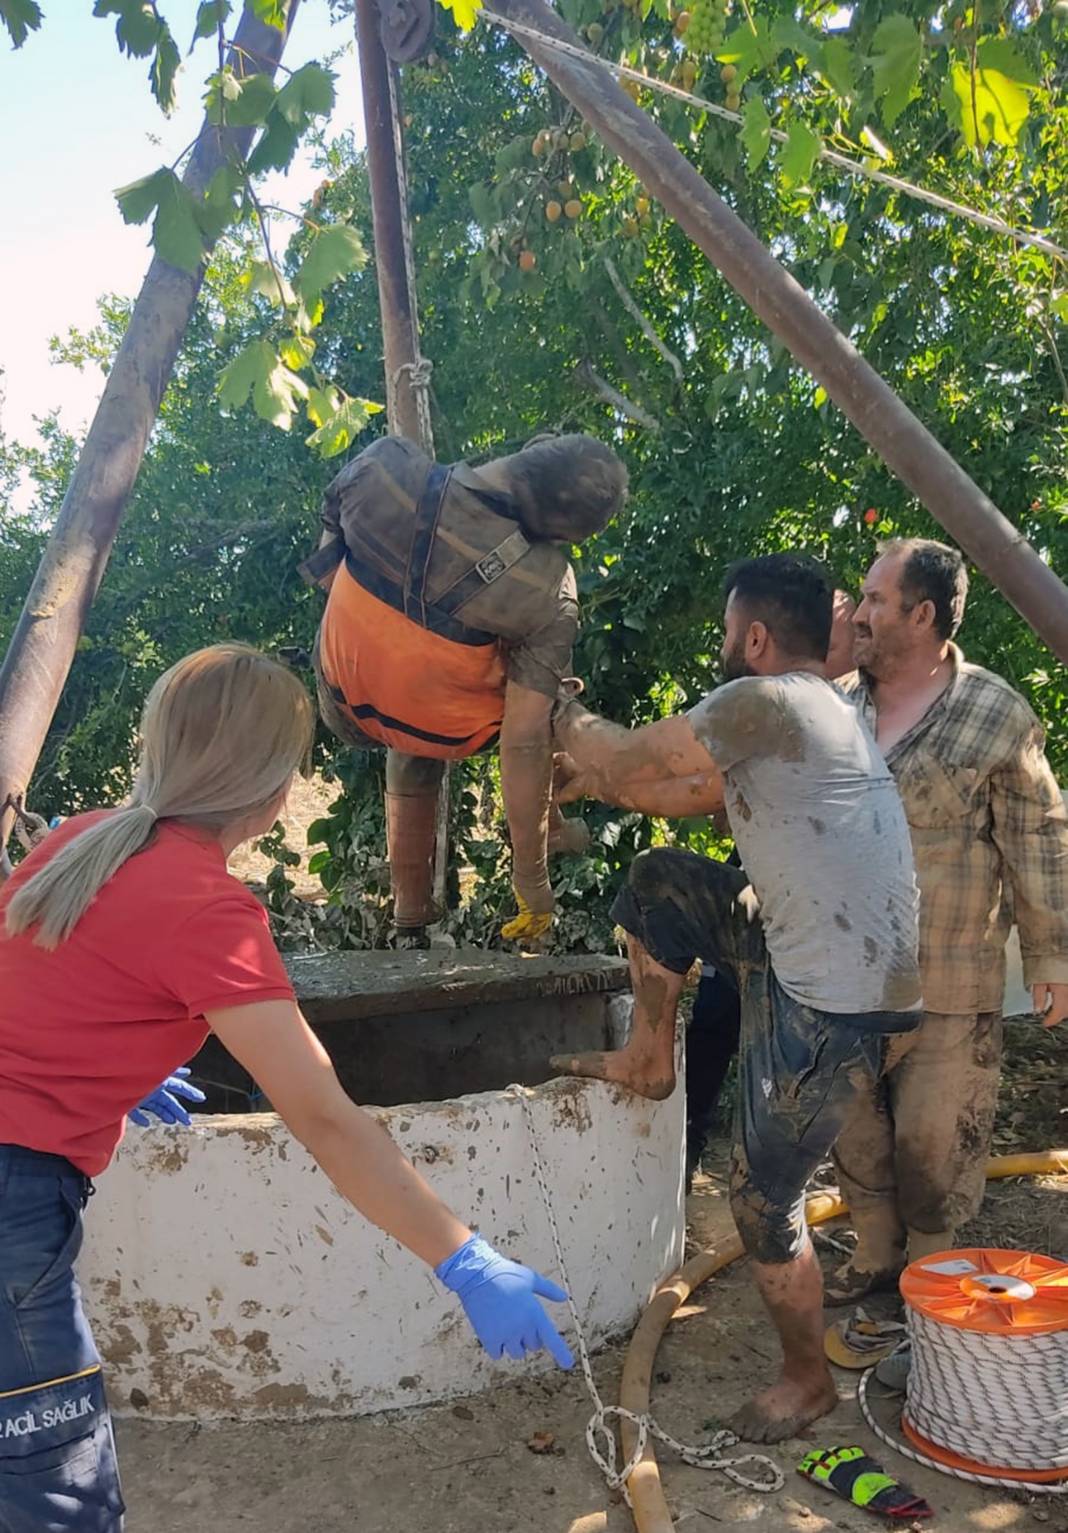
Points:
(419, 372)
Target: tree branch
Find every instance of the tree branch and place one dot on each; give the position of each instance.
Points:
(646, 328)
(619, 402)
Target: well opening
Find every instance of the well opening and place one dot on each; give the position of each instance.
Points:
(430, 1026)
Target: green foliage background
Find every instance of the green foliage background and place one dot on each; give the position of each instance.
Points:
(968, 327)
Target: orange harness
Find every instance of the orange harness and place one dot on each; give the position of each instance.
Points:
(406, 670)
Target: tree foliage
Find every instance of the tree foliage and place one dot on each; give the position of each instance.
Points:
(617, 325)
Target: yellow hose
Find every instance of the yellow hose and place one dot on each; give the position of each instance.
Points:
(650, 1509)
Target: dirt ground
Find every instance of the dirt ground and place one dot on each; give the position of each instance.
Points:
(466, 1466)
(455, 1468)
(309, 799)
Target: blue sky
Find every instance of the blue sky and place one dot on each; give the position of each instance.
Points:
(76, 121)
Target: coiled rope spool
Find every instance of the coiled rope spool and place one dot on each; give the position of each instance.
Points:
(988, 1384)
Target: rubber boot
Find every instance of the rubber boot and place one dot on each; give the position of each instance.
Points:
(411, 837)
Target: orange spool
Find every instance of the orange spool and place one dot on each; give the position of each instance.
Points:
(978, 1320)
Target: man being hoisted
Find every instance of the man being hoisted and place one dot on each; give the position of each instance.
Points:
(450, 620)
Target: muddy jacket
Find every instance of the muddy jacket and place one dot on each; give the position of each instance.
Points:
(439, 600)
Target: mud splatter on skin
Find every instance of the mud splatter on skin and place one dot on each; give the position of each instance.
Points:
(754, 713)
(650, 999)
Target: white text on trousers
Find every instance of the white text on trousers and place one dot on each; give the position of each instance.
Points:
(54, 1416)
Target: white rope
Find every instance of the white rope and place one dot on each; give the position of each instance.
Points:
(600, 1438)
(843, 162)
(990, 1399)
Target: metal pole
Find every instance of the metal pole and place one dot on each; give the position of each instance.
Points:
(904, 444)
(406, 397)
(42, 647)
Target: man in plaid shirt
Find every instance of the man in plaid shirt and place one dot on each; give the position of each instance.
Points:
(990, 840)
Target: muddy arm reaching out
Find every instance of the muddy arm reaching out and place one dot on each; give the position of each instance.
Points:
(661, 769)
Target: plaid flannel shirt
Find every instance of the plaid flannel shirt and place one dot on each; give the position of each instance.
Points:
(989, 836)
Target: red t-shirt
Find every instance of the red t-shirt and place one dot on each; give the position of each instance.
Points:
(88, 1030)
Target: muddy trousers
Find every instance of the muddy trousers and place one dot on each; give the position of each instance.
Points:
(912, 1156)
(413, 787)
(57, 1455)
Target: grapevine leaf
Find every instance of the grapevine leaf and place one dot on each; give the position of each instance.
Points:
(20, 17)
(176, 233)
(1002, 103)
(216, 210)
(756, 131)
(238, 378)
(309, 92)
(277, 145)
(164, 69)
(799, 154)
(297, 351)
(275, 394)
(271, 12)
(138, 29)
(139, 200)
(1060, 306)
(211, 14)
(333, 253)
(749, 48)
(897, 49)
(787, 32)
(321, 404)
(263, 278)
(259, 371)
(839, 67)
(244, 101)
(342, 428)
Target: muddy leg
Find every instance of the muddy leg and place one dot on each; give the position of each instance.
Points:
(646, 1065)
(867, 1174)
(945, 1097)
(793, 1293)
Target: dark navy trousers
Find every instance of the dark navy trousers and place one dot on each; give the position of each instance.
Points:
(58, 1472)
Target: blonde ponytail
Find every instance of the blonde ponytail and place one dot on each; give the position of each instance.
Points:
(223, 732)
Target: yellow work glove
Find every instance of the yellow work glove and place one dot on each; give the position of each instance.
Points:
(528, 925)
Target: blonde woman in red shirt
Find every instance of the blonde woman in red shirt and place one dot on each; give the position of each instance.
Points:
(123, 942)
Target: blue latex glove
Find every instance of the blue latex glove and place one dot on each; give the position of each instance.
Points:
(164, 1101)
(499, 1300)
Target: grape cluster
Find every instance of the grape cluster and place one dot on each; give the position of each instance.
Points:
(708, 23)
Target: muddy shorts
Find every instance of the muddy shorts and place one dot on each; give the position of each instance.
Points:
(799, 1069)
